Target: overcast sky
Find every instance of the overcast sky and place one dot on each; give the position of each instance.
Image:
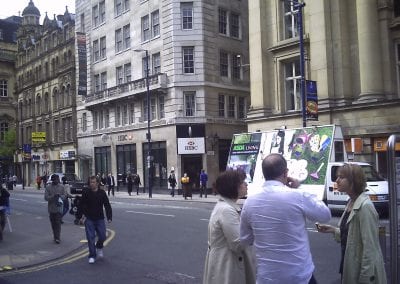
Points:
(15, 7)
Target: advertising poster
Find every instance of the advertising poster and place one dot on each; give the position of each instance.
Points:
(306, 150)
(311, 100)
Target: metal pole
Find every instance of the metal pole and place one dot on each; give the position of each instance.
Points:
(22, 148)
(148, 127)
(392, 164)
(300, 7)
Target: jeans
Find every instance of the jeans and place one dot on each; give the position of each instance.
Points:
(93, 227)
(55, 221)
(2, 222)
(110, 188)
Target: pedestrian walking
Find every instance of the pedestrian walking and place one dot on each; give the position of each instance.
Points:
(14, 178)
(54, 194)
(4, 203)
(136, 182)
(92, 203)
(68, 195)
(357, 231)
(203, 183)
(129, 180)
(172, 181)
(227, 260)
(110, 184)
(39, 182)
(274, 220)
(185, 181)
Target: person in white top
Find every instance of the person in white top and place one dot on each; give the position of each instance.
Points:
(274, 221)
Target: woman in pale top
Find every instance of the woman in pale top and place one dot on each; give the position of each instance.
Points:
(362, 260)
(228, 261)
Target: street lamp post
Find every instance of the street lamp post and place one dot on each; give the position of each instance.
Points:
(300, 7)
(148, 135)
(22, 147)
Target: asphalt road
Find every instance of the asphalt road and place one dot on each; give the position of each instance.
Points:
(156, 241)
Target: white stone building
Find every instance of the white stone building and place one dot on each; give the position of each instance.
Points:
(352, 51)
(198, 85)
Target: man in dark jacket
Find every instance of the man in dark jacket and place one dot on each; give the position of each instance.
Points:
(92, 202)
(54, 192)
(4, 203)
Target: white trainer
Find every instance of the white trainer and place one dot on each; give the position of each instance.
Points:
(100, 253)
(91, 260)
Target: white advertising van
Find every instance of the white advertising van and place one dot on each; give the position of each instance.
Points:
(313, 155)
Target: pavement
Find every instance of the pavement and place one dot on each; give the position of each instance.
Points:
(30, 243)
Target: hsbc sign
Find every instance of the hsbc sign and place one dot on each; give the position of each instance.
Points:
(191, 145)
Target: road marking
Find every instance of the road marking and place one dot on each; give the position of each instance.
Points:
(146, 213)
(185, 275)
(60, 261)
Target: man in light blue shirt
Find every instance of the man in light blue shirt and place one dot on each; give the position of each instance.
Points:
(274, 221)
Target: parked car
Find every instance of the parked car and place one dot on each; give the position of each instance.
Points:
(76, 185)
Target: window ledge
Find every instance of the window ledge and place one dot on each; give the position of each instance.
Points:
(287, 43)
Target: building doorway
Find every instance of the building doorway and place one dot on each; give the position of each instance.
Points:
(192, 165)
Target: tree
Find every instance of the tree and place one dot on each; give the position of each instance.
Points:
(7, 150)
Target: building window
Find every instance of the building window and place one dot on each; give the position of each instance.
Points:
(127, 36)
(118, 40)
(153, 108)
(161, 107)
(102, 159)
(107, 118)
(126, 5)
(222, 21)
(96, 50)
(103, 48)
(231, 106)
(221, 105)
(125, 114)
(235, 25)
(155, 23)
(101, 119)
(144, 108)
(84, 122)
(188, 60)
(102, 11)
(95, 120)
(103, 81)
(95, 18)
(3, 88)
(145, 28)
(96, 83)
(236, 67)
(292, 85)
(156, 63)
(187, 15)
(223, 63)
(118, 7)
(3, 130)
(119, 72)
(146, 68)
(117, 116)
(290, 19)
(127, 72)
(242, 107)
(131, 113)
(190, 103)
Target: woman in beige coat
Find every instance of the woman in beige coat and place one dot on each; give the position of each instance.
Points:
(362, 260)
(227, 260)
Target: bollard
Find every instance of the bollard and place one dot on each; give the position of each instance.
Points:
(382, 241)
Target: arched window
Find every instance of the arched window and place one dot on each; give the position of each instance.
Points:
(55, 99)
(38, 105)
(68, 96)
(46, 103)
(62, 97)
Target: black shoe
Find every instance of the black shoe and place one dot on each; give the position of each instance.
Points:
(62, 222)
(57, 241)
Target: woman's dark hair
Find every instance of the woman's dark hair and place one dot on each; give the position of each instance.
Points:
(355, 175)
(64, 180)
(228, 183)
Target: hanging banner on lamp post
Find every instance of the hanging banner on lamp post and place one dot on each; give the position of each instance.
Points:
(312, 100)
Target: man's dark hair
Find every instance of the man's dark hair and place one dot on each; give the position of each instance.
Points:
(273, 166)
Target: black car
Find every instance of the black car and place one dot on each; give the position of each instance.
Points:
(76, 185)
